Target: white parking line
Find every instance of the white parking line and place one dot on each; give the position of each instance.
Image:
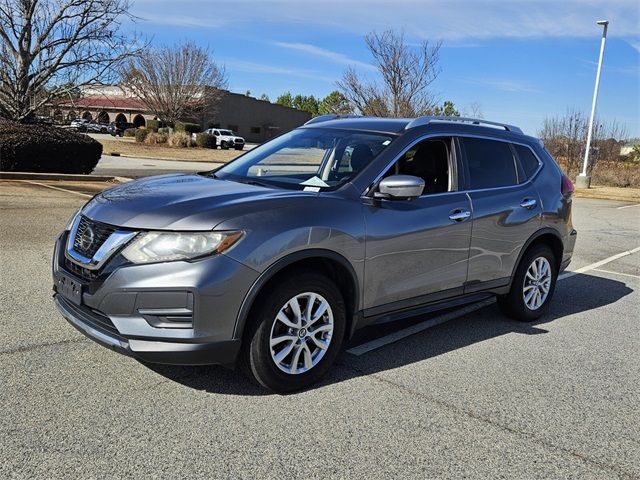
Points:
(628, 206)
(432, 322)
(616, 273)
(55, 188)
(595, 265)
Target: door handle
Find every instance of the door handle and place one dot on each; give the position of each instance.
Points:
(459, 215)
(528, 203)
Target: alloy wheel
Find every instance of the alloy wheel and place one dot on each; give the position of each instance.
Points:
(537, 283)
(301, 333)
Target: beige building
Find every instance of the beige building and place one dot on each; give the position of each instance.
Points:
(255, 120)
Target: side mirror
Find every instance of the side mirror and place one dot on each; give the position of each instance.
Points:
(400, 187)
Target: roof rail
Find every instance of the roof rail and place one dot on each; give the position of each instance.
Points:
(421, 121)
(326, 118)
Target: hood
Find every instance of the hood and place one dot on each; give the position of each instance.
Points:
(182, 202)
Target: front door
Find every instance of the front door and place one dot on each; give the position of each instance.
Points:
(417, 250)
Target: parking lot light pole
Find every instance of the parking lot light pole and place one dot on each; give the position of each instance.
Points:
(584, 181)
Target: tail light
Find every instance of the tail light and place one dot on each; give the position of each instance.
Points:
(567, 185)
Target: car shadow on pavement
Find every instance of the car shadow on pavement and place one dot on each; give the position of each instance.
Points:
(573, 295)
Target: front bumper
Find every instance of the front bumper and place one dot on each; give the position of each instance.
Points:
(181, 313)
(153, 351)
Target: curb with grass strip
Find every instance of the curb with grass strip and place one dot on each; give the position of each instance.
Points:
(60, 176)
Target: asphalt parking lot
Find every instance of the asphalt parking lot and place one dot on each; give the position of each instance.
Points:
(479, 396)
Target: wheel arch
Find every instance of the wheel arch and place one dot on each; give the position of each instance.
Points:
(334, 265)
(547, 236)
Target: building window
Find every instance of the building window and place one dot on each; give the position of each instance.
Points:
(233, 128)
(255, 129)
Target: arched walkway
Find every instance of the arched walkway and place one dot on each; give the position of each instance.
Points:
(87, 116)
(103, 117)
(72, 115)
(139, 121)
(121, 118)
(58, 116)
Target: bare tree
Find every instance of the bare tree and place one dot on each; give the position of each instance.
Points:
(176, 82)
(406, 73)
(565, 136)
(49, 47)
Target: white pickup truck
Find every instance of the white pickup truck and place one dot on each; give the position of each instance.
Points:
(226, 138)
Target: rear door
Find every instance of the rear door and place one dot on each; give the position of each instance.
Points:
(506, 210)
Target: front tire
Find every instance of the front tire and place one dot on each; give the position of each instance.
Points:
(224, 146)
(532, 286)
(297, 333)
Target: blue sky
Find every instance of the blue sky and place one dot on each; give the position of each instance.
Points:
(519, 60)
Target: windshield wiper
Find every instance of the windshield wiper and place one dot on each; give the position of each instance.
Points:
(249, 181)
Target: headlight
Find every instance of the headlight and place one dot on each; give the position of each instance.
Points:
(151, 247)
(73, 219)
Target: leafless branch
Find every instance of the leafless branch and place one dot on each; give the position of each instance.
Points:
(50, 46)
(176, 82)
(405, 72)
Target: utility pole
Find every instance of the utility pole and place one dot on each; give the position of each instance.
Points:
(584, 181)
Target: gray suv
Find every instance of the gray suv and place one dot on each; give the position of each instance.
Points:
(272, 261)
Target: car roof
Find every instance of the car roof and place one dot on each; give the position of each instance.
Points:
(398, 126)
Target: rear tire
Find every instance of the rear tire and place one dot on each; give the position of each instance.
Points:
(284, 354)
(532, 286)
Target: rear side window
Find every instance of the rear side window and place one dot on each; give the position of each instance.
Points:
(490, 162)
(528, 161)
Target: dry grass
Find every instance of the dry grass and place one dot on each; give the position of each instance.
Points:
(132, 149)
(622, 194)
(610, 173)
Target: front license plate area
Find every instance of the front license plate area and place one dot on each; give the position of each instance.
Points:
(69, 288)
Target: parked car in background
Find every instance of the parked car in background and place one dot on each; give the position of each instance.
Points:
(80, 124)
(97, 127)
(226, 138)
(117, 129)
(84, 125)
(275, 259)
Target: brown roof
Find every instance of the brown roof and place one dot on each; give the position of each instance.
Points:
(121, 103)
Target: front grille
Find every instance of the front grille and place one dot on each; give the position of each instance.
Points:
(239, 141)
(90, 236)
(79, 271)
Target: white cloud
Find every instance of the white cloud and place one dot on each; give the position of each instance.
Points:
(505, 85)
(635, 44)
(434, 19)
(254, 67)
(316, 51)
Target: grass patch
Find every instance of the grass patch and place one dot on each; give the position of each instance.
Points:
(162, 152)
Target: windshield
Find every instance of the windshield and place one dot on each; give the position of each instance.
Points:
(226, 132)
(307, 158)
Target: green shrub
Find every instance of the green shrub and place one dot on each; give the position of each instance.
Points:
(153, 125)
(180, 139)
(130, 132)
(163, 130)
(205, 140)
(45, 148)
(155, 138)
(141, 134)
(187, 127)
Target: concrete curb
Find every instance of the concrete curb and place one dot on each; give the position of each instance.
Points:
(60, 176)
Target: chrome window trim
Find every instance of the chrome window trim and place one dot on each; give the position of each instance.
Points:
(116, 240)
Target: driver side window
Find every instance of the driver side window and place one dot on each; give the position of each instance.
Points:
(431, 160)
